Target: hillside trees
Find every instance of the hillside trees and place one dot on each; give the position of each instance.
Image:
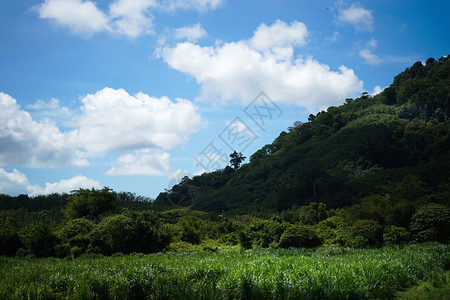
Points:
(92, 203)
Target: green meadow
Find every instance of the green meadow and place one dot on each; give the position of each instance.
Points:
(322, 273)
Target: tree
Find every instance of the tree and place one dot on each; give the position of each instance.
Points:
(295, 125)
(85, 202)
(39, 239)
(236, 159)
(365, 233)
(431, 223)
(299, 236)
(76, 231)
(9, 237)
(311, 117)
(313, 213)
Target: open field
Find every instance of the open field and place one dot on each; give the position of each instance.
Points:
(325, 273)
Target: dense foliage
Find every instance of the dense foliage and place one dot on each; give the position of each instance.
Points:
(346, 153)
(373, 172)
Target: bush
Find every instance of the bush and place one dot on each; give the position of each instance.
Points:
(76, 231)
(313, 213)
(123, 234)
(364, 231)
(299, 236)
(245, 239)
(431, 223)
(76, 252)
(9, 240)
(112, 235)
(39, 239)
(394, 235)
(93, 203)
(358, 241)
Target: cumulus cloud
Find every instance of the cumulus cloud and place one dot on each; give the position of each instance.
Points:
(130, 18)
(377, 89)
(142, 162)
(356, 15)
(24, 141)
(82, 17)
(191, 33)
(240, 70)
(368, 55)
(113, 120)
(16, 182)
(279, 34)
(66, 185)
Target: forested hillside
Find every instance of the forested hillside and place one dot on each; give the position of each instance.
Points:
(392, 144)
(371, 172)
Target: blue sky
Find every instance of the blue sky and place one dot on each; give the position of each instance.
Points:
(134, 94)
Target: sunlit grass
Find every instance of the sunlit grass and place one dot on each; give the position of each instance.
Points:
(333, 273)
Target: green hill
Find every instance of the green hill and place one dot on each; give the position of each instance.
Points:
(344, 154)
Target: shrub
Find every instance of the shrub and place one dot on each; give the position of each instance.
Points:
(313, 213)
(245, 239)
(39, 239)
(431, 223)
(365, 231)
(394, 235)
(76, 231)
(9, 240)
(76, 252)
(123, 234)
(299, 236)
(112, 235)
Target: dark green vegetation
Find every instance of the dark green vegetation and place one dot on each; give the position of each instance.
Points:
(347, 153)
(327, 273)
(373, 172)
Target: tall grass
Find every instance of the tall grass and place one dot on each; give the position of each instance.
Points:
(332, 273)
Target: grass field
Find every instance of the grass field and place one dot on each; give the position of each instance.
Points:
(325, 273)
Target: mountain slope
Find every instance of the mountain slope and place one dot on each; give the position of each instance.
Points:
(343, 154)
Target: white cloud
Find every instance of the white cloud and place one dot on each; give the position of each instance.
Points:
(200, 5)
(50, 110)
(24, 141)
(279, 34)
(41, 104)
(191, 33)
(113, 120)
(368, 55)
(82, 17)
(377, 89)
(238, 70)
(130, 18)
(15, 183)
(356, 15)
(66, 185)
(142, 162)
(110, 121)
